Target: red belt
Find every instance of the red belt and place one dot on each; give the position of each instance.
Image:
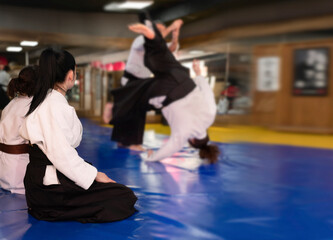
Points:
(14, 149)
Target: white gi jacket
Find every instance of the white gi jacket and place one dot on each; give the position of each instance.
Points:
(56, 129)
(188, 117)
(13, 166)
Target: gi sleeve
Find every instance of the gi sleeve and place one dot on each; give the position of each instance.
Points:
(173, 145)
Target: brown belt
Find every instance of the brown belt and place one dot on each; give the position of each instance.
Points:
(14, 149)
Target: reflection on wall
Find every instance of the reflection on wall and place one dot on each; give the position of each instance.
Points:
(98, 92)
(87, 88)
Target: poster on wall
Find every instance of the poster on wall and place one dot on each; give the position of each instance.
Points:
(311, 72)
(268, 74)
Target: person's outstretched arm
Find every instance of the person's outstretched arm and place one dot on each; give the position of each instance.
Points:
(173, 145)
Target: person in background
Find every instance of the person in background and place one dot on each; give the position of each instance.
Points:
(59, 184)
(4, 80)
(188, 106)
(231, 92)
(14, 149)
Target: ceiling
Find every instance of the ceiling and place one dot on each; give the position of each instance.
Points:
(81, 5)
(86, 29)
(163, 10)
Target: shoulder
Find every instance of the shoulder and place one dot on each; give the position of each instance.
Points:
(55, 99)
(19, 103)
(54, 104)
(54, 108)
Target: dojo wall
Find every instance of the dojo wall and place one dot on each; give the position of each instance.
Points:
(281, 110)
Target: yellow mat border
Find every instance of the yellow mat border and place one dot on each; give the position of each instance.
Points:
(257, 135)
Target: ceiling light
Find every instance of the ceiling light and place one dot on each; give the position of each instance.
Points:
(13, 49)
(29, 43)
(135, 5)
(194, 52)
(127, 5)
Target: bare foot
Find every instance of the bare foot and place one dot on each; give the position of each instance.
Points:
(142, 29)
(136, 148)
(177, 24)
(174, 27)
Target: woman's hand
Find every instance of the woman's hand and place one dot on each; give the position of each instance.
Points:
(150, 152)
(101, 177)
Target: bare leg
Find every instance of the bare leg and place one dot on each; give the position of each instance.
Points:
(175, 27)
(142, 29)
(162, 28)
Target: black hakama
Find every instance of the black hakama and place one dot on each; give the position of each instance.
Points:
(102, 202)
(4, 99)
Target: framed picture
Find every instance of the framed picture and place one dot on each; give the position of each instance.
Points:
(268, 74)
(311, 72)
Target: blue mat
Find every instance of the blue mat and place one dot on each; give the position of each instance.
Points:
(255, 192)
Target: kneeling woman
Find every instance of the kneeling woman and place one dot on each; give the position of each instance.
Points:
(59, 184)
(14, 149)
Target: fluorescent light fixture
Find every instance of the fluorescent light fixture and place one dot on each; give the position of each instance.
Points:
(29, 43)
(135, 5)
(127, 5)
(13, 49)
(194, 52)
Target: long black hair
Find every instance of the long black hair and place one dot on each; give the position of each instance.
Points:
(53, 68)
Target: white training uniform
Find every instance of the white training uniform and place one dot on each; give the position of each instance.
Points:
(13, 166)
(57, 131)
(188, 117)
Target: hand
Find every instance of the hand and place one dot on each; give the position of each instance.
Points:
(150, 153)
(196, 67)
(101, 177)
(146, 156)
